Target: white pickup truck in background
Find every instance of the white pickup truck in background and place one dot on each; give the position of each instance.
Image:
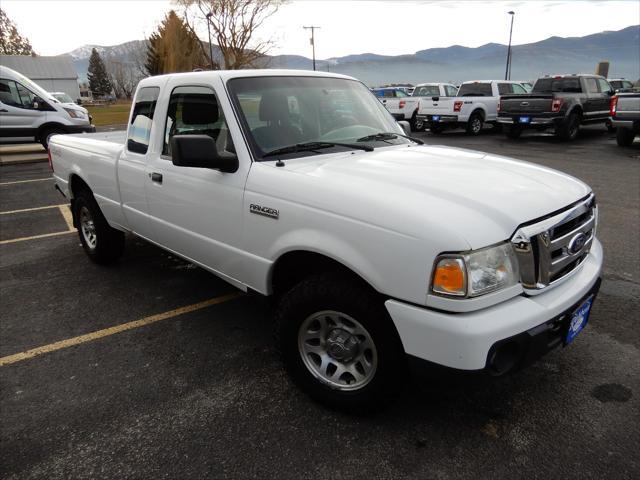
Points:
(400, 105)
(377, 250)
(475, 105)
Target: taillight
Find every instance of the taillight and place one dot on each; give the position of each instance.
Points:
(402, 103)
(499, 104)
(613, 106)
(556, 104)
(457, 106)
(50, 161)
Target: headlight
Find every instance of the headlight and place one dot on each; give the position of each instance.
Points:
(74, 113)
(476, 273)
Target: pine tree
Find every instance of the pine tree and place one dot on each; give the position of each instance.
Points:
(11, 42)
(97, 75)
(174, 48)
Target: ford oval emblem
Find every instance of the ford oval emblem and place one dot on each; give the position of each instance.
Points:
(576, 243)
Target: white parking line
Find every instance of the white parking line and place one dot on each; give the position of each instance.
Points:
(26, 181)
(35, 209)
(34, 237)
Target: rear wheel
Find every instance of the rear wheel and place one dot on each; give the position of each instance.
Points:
(568, 130)
(339, 344)
(474, 125)
(513, 131)
(417, 125)
(624, 136)
(101, 242)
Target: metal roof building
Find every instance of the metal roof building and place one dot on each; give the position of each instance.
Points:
(54, 74)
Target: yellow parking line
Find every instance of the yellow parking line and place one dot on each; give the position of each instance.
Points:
(34, 237)
(70, 342)
(66, 214)
(34, 209)
(26, 181)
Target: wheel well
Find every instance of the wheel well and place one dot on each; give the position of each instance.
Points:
(480, 112)
(577, 109)
(46, 126)
(293, 267)
(77, 184)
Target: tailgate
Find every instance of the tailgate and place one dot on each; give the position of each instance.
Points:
(530, 103)
(391, 104)
(436, 105)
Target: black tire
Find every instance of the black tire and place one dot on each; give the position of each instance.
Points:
(47, 133)
(325, 294)
(624, 136)
(474, 124)
(568, 130)
(436, 129)
(102, 243)
(513, 131)
(417, 125)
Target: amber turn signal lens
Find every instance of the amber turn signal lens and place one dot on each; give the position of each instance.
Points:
(449, 277)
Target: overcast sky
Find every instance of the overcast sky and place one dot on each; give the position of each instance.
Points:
(389, 27)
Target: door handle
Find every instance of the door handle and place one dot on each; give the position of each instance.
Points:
(3, 110)
(156, 177)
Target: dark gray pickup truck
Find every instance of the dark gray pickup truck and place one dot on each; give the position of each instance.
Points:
(625, 116)
(562, 102)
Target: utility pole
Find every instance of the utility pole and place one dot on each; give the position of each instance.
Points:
(507, 72)
(313, 42)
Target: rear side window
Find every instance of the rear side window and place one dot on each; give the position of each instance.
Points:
(561, 85)
(591, 84)
(504, 88)
(475, 90)
(450, 91)
(194, 110)
(604, 85)
(142, 119)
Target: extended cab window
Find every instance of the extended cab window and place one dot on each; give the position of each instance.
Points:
(591, 84)
(15, 94)
(604, 85)
(194, 110)
(142, 119)
(451, 91)
(475, 90)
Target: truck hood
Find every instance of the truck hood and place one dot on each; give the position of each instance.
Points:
(479, 197)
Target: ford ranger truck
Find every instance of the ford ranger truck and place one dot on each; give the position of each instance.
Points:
(376, 249)
(561, 102)
(476, 104)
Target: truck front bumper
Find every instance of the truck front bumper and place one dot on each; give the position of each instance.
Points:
(523, 327)
(80, 128)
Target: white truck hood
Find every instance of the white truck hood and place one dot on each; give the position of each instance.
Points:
(475, 196)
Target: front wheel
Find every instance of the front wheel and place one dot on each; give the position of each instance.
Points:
(339, 344)
(624, 137)
(46, 135)
(102, 243)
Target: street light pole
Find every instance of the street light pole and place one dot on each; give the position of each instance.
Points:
(507, 71)
(209, 15)
(313, 43)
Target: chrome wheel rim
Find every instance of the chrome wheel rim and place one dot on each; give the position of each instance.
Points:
(476, 125)
(337, 350)
(88, 228)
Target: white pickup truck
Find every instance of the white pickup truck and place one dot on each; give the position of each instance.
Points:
(475, 105)
(400, 105)
(377, 250)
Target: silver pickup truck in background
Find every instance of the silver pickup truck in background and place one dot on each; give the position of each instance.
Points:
(625, 116)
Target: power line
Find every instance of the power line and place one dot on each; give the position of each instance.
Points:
(313, 42)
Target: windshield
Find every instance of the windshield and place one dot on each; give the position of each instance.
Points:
(426, 91)
(278, 112)
(551, 85)
(62, 97)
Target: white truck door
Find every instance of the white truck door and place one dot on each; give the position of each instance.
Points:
(132, 165)
(197, 212)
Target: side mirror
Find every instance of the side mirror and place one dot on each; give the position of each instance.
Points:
(37, 101)
(405, 126)
(200, 151)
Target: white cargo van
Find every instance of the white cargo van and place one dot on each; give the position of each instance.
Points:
(28, 112)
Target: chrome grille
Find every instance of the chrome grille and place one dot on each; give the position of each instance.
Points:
(550, 249)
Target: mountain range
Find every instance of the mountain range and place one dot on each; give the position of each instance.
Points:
(456, 63)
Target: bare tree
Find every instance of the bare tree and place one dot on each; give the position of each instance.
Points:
(123, 77)
(233, 26)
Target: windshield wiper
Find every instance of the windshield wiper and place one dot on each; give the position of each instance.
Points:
(382, 136)
(310, 146)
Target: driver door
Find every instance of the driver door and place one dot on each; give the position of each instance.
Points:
(18, 118)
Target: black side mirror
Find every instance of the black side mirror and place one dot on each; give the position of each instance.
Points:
(200, 151)
(37, 103)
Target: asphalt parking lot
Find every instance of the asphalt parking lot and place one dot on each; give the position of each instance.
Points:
(195, 390)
